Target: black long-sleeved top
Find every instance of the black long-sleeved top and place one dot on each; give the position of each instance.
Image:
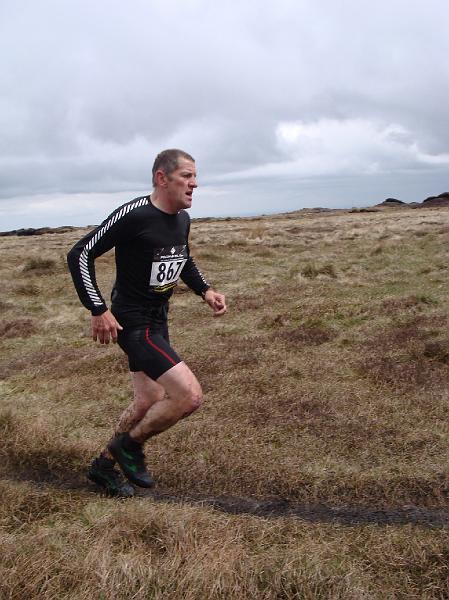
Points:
(151, 253)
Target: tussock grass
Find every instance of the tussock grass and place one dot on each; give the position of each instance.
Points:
(326, 384)
(17, 328)
(28, 289)
(41, 265)
(313, 271)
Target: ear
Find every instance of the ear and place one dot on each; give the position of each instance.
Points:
(161, 178)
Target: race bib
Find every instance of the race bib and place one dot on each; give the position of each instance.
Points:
(167, 265)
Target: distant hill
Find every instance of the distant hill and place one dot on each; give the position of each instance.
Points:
(440, 200)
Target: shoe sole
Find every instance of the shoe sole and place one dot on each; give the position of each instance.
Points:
(101, 483)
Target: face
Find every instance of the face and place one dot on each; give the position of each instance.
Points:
(179, 185)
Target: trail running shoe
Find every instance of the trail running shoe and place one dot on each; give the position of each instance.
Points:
(129, 455)
(102, 472)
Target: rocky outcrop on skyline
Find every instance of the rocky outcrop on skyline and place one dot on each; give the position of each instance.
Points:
(440, 200)
(39, 231)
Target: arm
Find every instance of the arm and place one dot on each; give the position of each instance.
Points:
(196, 281)
(193, 277)
(81, 259)
(190, 273)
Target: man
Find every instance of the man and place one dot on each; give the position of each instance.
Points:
(150, 236)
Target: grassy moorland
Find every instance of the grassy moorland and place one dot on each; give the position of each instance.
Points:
(318, 466)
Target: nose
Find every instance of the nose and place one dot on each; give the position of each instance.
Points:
(193, 183)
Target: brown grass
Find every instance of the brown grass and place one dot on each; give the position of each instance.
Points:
(325, 387)
(17, 328)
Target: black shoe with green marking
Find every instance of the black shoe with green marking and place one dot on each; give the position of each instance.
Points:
(102, 472)
(129, 455)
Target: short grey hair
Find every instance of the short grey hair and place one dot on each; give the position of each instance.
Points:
(167, 161)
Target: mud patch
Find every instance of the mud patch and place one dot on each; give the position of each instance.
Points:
(273, 507)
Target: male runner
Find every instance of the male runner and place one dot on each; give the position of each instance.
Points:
(150, 236)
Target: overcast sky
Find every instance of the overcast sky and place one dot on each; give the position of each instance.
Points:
(284, 103)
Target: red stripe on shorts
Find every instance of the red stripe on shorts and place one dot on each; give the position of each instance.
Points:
(153, 345)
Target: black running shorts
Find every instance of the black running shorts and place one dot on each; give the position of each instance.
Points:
(148, 349)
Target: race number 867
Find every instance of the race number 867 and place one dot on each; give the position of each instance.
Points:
(166, 272)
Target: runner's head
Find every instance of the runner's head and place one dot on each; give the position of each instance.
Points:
(168, 161)
(174, 178)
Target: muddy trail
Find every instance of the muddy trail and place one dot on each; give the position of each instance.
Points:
(273, 507)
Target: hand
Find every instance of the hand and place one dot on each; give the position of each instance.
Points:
(216, 301)
(105, 328)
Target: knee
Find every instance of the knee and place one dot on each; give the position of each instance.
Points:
(196, 400)
(192, 401)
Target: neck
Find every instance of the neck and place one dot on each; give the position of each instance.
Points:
(162, 203)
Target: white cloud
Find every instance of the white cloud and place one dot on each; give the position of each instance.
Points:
(330, 147)
(352, 146)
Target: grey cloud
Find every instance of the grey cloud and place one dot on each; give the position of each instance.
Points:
(91, 91)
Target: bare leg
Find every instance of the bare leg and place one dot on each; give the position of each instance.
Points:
(158, 405)
(146, 393)
(183, 396)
